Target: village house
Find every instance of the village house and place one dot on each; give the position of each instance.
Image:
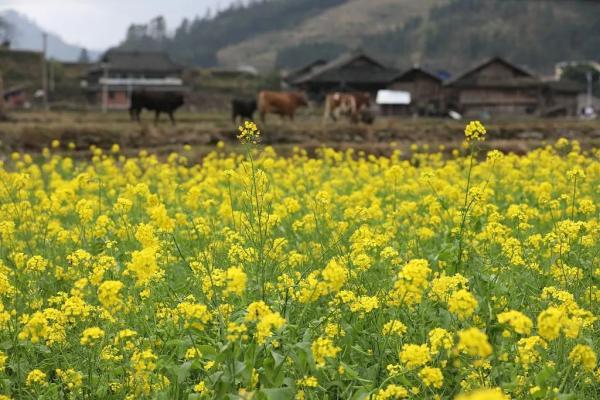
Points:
(111, 81)
(494, 87)
(305, 70)
(425, 88)
(560, 98)
(353, 71)
(497, 87)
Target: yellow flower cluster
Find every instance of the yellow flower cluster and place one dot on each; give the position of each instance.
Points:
(462, 303)
(474, 342)
(413, 355)
(249, 133)
(432, 377)
(391, 392)
(194, 315)
(36, 377)
(394, 327)
(308, 381)
(517, 320)
(266, 320)
(484, 394)
(323, 348)
(91, 336)
(584, 356)
(410, 284)
(475, 131)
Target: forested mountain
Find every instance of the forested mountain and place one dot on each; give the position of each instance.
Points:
(442, 34)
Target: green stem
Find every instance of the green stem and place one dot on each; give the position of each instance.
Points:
(465, 211)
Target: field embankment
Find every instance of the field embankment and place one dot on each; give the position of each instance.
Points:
(34, 131)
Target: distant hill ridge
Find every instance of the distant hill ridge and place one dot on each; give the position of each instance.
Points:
(25, 34)
(441, 34)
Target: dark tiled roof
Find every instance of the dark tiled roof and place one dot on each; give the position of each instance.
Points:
(148, 88)
(139, 61)
(305, 70)
(462, 78)
(506, 83)
(339, 70)
(407, 75)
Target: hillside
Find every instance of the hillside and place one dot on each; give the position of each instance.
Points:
(338, 28)
(441, 34)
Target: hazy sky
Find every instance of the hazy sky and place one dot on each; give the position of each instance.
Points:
(98, 24)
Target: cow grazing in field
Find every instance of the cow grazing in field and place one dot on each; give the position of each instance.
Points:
(243, 108)
(283, 104)
(351, 105)
(167, 102)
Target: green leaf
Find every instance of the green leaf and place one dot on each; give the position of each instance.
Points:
(183, 371)
(567, 396)
(349, 372)
(278, 358)
(542, 377)
(360, 394)
(207, 351)
(278, 394)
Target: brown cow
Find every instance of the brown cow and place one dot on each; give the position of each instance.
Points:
(351, 104)
(281, 103)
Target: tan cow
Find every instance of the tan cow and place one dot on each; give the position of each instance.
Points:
(350, 104)
(283, 104)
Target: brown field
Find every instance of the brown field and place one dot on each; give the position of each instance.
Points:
(32, 131)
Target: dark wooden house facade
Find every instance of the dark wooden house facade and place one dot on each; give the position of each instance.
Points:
(426, 90)
(494, 87)
(560, 98)
(354, 71)
(498, 87)
(119, 72)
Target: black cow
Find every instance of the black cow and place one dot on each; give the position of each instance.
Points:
(158, 102)
(243, 108)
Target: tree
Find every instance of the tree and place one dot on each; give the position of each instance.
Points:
(579, 73)
(157, 29)
(84, 57)
(6, 30)
(136, 32)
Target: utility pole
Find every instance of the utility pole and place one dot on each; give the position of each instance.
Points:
(44, 69)
(104, 87)
(2, 108)
(588, 76)
(51, 67)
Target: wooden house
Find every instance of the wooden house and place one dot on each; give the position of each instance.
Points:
(305, 70)
(560, 98)
(119, 72)
(354, 71)
(425, 88)
(494, 87)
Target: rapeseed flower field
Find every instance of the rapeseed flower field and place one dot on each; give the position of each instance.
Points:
(341, 276)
